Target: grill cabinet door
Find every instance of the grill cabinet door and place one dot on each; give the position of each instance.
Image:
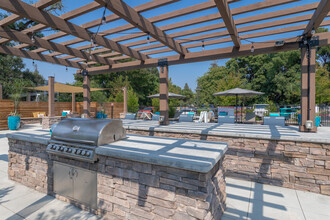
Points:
(85, 186)
(63, 181)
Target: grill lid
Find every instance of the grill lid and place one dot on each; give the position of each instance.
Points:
(89, 131)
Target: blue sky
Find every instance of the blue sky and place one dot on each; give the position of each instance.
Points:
(180, 74)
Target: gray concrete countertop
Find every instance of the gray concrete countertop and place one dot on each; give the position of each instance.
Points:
(286, 133)
(32, 135)
(199, 156)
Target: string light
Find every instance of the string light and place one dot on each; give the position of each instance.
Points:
(313, 31)
(148, 38)
(104, 22)
(90, 55)
(66, 68)
(93, 42)
(252, 48)
(32, 38)
(203, 46)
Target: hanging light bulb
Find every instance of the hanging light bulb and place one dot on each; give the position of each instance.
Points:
(203, 46)
(66, 68)
(148, 38)
(104, 22)
(32, 38)
(90, 56)
(313, 31)
(252, 48)
(33, 62)
(93, 42)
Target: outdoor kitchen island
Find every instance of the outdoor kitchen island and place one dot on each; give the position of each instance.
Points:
(138, 177)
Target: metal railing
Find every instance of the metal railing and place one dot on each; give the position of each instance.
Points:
(324, 114)
(243, 114)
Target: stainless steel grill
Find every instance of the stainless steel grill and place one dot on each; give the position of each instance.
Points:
(77, 138)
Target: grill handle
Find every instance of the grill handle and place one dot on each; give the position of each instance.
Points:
(73, 140)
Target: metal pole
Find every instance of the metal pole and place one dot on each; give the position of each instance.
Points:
(197, 98)
(308, 79)
(241, 112)
(125, 98)
(236, 110)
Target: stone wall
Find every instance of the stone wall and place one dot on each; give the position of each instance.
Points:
(128, 189)
(47, 122)
(145, 191)
(296, 165)
(29, 165)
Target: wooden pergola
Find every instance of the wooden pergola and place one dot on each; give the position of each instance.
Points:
(187, 46)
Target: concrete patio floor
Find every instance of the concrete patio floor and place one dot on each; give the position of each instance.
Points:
(245, 200)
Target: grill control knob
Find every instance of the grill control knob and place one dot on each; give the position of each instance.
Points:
(87, 153)
(61, 148)
(78, 151)
(69, 150)
(83, 153)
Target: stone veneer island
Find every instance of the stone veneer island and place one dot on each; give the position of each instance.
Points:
(139, 177)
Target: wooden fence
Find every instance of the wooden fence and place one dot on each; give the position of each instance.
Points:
(26, 109)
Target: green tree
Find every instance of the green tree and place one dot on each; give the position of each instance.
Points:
(277, 75)
(189, 95)
(174, 89)
(12, 69)
(16, 89)
(132, 100)
(218, 78)
(144, 82)
(322, 85)
(323, 53)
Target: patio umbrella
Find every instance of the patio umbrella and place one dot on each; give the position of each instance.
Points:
(237, 92)
(170, 95)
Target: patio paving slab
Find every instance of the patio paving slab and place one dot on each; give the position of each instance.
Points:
(314, 203)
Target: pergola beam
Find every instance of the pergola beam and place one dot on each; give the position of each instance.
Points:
(67, 16)
(37, 56)
(87, 8)
(28, 11)
(211, 17)
(235, 11)
(38, 42)
(224, 33)
(222, 53)
(318, 16)
(131, 16)
(142, 8)
(228, 19)
(40, 5)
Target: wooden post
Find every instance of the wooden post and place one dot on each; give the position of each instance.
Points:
(163, 94)
(0, 91)
(51, 96)
(307, 89)
(28, 97)
(73, 102)
(125, 98)
(87, 97)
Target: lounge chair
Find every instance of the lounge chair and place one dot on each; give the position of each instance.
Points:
(226, 115)
(272, 120)
(155, 117)
(130, 116)
(186, 118)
